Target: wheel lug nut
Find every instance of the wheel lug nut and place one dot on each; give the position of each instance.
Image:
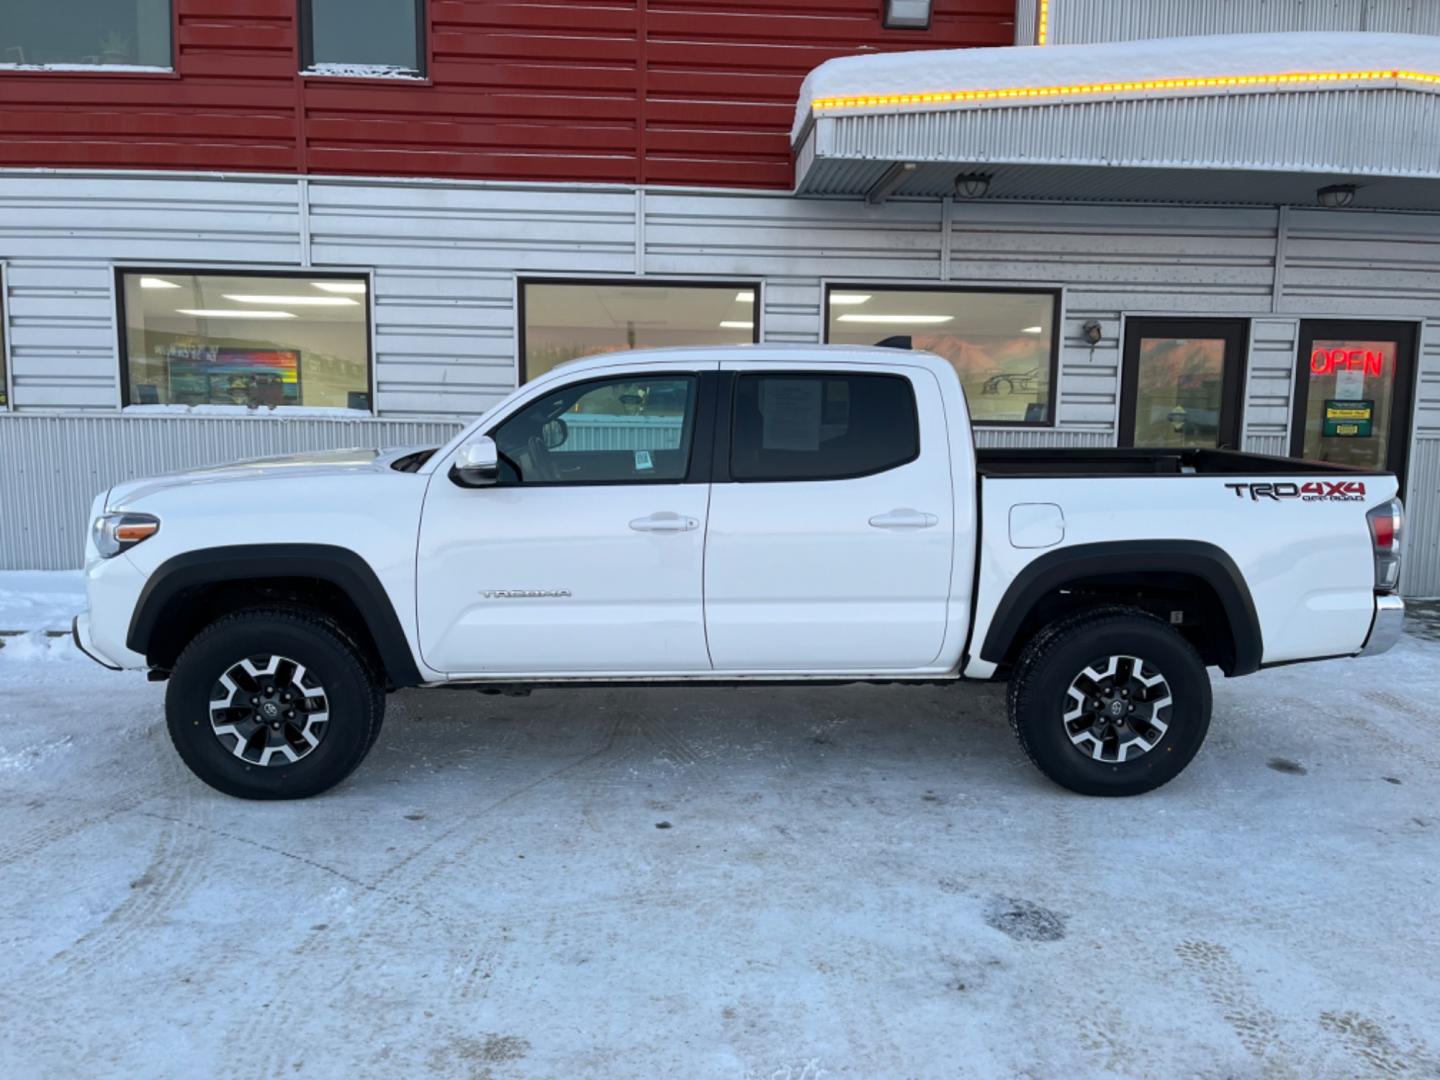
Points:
(254, 701)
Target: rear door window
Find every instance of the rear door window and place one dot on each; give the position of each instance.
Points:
(814, 426)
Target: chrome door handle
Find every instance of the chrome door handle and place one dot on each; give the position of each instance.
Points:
(664, 521)
(904, 518)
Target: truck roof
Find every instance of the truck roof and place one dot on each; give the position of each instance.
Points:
(761, 351)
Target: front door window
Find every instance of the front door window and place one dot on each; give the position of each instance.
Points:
(1180, 384)
(1352, 394)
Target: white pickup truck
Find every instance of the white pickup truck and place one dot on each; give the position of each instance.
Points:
(732, 515)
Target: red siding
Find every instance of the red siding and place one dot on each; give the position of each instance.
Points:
(651, 91)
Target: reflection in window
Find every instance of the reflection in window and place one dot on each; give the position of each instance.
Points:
(564, 321)
(1000, 343)
(1179, 391)
(90, 32)
(351, 36)
(257, 341)
(1349, 401)
(634, 429)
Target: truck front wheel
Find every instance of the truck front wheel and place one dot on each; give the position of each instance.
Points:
(1110, 702)
(273, 704)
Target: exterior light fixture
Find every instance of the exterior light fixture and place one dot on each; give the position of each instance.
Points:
(889, 180)
(907, 14)
(1093, 332)
(972, 185)
(1336, 196)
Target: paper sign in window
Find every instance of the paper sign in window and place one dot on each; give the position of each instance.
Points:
(791, 411)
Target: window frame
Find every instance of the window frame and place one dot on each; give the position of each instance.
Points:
(1056, 294)
(170, 69)
(1235, 331)
(702, 438)
(721, 284)
(725, 432)
(317, 274)
(305, 20)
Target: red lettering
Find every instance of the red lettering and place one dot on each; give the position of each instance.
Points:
(1318, 363)
(1374, 362)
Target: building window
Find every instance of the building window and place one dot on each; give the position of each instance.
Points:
(562, 320)
(363, 37)
(90, 33)
(1181, 382)
(1002, 343)
(258, 340)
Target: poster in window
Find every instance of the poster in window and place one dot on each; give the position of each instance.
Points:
(253, 377)
(1349, 419)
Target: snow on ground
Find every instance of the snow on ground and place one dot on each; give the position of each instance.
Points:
(842, 882)
(40, 599)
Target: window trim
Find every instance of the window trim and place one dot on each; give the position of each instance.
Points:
(142, 71)
(702, 437)
(1056, 321)
(305, 22)
(300, 274)
(1233, 330)
(521, 322)
(725, 433)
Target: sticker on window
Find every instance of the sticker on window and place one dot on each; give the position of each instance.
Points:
(791, 410)
(642, 460)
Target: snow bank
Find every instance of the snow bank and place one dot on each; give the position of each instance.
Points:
(38, 648)
(40, 599)
(1124, 61)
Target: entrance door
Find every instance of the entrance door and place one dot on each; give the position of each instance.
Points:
(1180, 383)
(1354, 385)
(587, 555)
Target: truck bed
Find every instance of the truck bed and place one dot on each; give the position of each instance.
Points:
(1106, 461)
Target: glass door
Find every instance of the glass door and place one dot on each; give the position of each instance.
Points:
(1180, 383)
(1354, 385)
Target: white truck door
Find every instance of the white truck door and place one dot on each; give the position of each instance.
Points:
(831, 528)
(587, 555)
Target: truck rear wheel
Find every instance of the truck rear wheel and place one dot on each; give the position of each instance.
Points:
(273, 704)
(1110, 702)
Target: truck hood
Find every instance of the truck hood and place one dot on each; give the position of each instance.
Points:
(315, 464)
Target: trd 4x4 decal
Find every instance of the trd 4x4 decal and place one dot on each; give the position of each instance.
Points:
(1310, 491)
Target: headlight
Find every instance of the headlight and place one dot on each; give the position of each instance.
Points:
(114, 533)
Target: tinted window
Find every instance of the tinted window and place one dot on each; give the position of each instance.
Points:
(364, 36)
(822, 427)
(93, 32)
(631, 430)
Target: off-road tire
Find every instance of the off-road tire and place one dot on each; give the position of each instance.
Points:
(354, 692)
(1038, 699)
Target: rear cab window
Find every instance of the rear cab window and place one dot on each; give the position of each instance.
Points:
(806, 426)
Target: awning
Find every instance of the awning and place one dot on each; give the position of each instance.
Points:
(1254, 118)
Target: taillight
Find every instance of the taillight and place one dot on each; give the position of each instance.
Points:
(1387, 532)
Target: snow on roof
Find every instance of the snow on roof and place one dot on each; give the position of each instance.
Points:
(1010, 67)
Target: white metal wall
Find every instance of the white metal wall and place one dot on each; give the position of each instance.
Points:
(1080, 21)
(445, 258)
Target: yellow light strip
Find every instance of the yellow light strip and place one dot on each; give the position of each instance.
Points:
(1042, 24)
(1216, 82)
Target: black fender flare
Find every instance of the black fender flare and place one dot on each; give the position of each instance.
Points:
(1055, 569)
(338, 566)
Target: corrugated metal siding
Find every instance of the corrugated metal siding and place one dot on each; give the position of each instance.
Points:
(641, 91)
(55, 465)
(1080, 21)
(1365, 263)
(1364, 132)
(1270, 377)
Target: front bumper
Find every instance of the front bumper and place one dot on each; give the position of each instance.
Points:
(1385, 630)
(80, 631)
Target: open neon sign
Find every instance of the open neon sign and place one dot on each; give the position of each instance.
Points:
(1329, 361)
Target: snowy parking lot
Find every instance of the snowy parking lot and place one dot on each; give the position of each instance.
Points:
(836, 882)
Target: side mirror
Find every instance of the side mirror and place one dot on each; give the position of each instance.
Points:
(477, 464)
